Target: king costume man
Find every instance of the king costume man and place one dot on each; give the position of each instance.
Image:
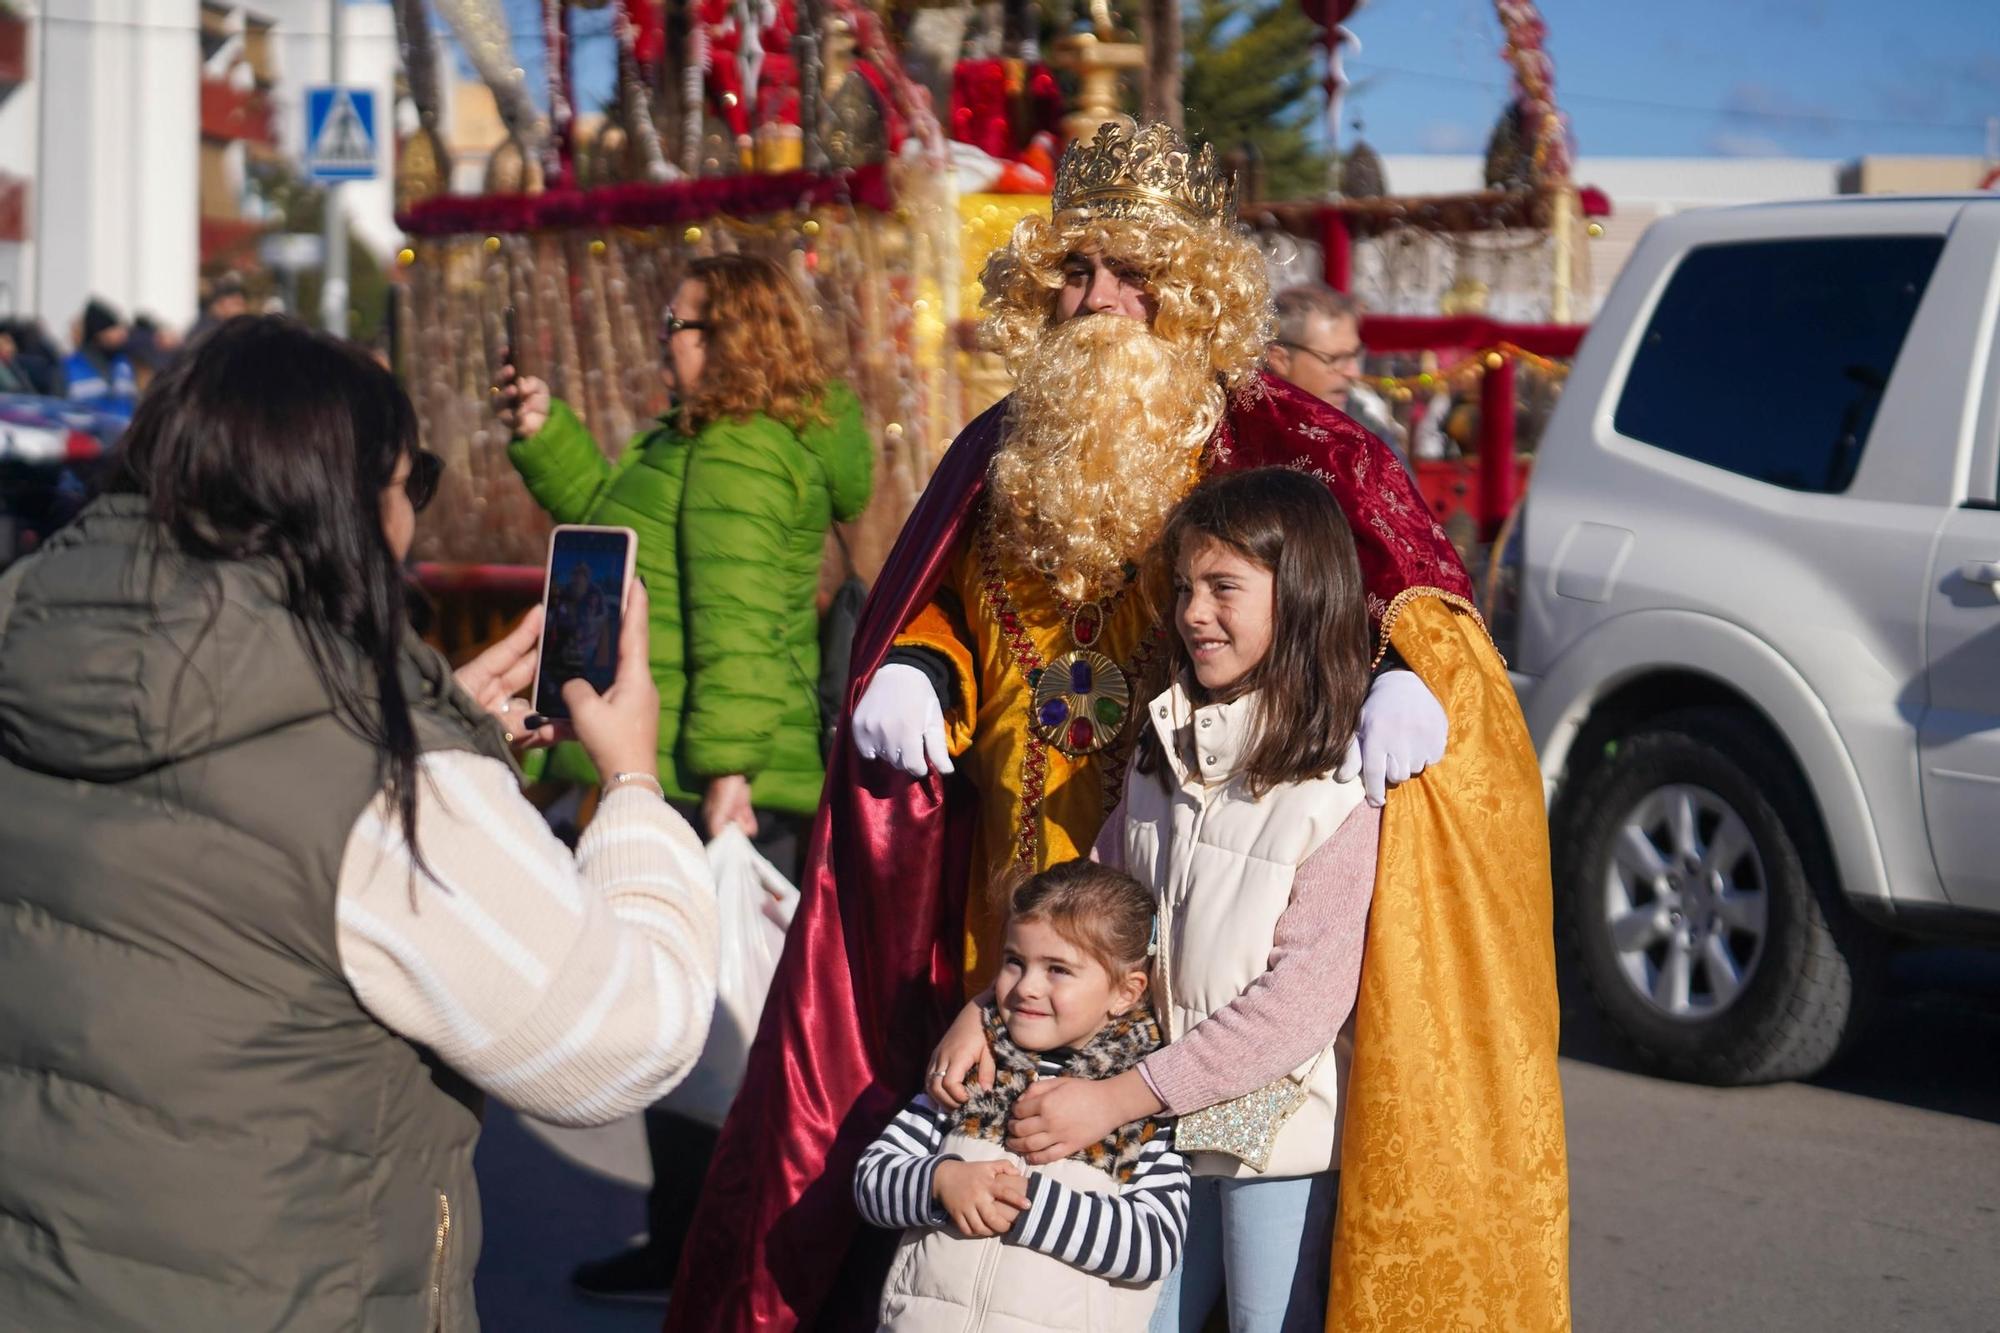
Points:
(1010, 625)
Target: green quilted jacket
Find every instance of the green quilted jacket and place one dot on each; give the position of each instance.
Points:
(731, 526)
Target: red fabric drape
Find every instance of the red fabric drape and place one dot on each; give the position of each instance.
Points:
(649, 205)
(1416, 333)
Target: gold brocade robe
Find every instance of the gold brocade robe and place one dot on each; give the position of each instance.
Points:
(1037, 805)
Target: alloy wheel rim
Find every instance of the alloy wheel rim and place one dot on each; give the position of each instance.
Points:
(1687, 902)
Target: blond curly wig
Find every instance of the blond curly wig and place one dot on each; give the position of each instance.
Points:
(1208, 280)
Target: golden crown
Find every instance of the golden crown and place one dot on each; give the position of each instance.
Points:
(1125, 171)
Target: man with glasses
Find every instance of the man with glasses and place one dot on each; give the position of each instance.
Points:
(1318, 348)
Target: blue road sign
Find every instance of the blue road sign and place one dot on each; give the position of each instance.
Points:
(340, 134)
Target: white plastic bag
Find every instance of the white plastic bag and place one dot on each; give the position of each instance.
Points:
(755, 904)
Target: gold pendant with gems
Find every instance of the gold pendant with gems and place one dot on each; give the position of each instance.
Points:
(1082, 698)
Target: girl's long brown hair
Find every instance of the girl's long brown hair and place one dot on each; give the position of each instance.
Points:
(762, 352)
(1311, 683)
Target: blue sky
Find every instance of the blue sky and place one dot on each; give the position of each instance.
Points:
(1813, 78)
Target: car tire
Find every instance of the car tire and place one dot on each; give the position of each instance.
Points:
(1753, 972)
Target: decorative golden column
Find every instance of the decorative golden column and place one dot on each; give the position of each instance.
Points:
(1563, 220)
(423, 168)
(1097, 58)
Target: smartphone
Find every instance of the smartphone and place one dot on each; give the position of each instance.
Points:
(583, 610)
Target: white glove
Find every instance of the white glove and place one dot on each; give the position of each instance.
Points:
(899, 720)
(1403, 731)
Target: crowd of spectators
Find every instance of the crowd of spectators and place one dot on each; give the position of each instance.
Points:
(111, 359)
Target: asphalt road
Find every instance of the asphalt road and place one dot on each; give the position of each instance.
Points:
(1867, 1200)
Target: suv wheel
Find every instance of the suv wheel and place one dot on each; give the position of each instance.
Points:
(1701, 908)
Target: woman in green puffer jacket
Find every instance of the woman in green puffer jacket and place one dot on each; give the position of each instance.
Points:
(731, 495)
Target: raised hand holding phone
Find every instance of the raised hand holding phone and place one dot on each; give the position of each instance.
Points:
(496, 678)
(521, 402)
(620, 728)
(584, 592)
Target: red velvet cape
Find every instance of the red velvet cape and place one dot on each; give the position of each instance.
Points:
(871, 971)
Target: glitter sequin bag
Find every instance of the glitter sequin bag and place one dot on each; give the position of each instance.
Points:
(1245, 1127)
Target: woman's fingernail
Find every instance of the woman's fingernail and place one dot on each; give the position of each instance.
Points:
(534, 722)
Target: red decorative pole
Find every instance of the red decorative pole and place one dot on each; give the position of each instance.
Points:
(1335, 245)
(1496, 447)
(1336, 248)
(1329, 16)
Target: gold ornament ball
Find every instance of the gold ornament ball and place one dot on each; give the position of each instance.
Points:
(1596, 229)
(406, 256)
(1493, 360)
(492, 245)
(810, 226)
(692, 235)
(597, 249)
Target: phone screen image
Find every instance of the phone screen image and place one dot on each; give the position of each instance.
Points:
(586, 588)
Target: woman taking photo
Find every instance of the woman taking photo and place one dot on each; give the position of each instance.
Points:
(275, 912)
(731, 494)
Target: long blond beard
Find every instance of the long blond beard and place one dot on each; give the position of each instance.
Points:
(1104, 437)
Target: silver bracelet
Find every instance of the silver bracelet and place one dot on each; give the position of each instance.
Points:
(646, 780)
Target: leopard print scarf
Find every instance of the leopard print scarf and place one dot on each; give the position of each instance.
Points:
(1117, 1047)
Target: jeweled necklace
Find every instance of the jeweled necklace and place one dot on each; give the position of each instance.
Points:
(1082, 697)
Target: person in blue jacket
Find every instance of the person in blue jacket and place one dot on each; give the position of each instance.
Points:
(99, 372)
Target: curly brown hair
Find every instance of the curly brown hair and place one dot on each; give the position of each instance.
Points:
(763, 355)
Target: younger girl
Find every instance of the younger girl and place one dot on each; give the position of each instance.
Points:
(1083, 1242)
(1262, 866)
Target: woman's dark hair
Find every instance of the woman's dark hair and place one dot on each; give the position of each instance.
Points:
(1311, 683)
(1102, 911)
(272, 442)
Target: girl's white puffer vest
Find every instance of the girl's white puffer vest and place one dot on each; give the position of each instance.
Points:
(942, 1282)
(1221, 867)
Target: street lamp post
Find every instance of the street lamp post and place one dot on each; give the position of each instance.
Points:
(333, 290)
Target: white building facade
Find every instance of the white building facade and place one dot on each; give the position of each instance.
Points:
(108, 132)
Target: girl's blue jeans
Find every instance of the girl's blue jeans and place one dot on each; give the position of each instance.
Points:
(1271, 1240)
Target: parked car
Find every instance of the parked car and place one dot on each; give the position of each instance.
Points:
(1758, 623)
(47, 448)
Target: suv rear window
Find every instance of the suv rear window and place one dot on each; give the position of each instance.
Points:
(1769, 358)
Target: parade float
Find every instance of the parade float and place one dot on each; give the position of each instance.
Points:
(882, 155)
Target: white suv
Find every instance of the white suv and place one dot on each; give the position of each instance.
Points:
(1758, 620)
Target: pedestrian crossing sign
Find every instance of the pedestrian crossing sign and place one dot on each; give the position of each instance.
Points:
(340, 134)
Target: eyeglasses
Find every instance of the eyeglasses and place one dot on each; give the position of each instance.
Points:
(1331, 360)
(673, 324)
(426, 469)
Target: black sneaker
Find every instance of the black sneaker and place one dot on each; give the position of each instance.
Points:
(638, 1276)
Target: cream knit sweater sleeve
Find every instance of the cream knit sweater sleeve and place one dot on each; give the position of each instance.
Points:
(575, 988)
